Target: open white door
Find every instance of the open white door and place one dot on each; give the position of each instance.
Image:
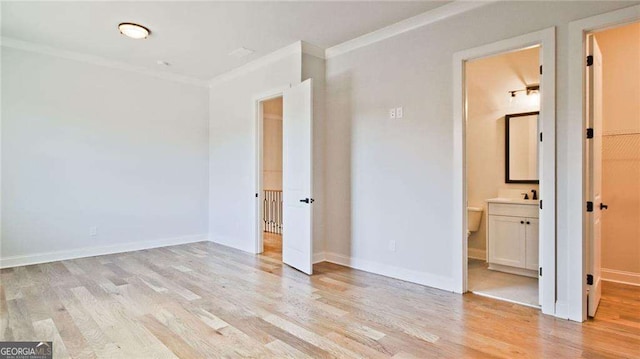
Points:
(594, 174)
(297, 161)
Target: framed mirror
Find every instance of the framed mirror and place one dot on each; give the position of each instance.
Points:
(521, 147)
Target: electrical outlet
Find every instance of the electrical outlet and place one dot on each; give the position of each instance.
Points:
(392, 246)
(399, 112)
(93, 231)
(392, 113)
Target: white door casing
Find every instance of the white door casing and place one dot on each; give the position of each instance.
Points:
(297, 187)
(594, 173)
(547, 216)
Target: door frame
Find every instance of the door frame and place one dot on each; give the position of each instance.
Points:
(546, 39)
(258, 150)
(576, 306)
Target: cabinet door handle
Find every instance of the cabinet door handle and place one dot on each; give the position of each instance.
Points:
(521, 222)
(528, 222)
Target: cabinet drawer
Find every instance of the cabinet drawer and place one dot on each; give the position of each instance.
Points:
(513, 210)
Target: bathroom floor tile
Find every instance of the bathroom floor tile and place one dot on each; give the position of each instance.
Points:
(501, 285)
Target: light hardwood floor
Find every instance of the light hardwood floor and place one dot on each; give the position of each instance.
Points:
(272, 245)
(204, 300)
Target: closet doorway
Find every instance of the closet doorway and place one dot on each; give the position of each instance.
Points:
(613, 160)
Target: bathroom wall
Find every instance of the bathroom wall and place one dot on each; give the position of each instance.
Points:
(488, 82)
(620, 49)
(272, 144)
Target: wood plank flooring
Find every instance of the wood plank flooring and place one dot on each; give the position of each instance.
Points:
(203, 300)
(272, 245)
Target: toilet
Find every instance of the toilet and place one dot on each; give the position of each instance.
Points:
(474, 215)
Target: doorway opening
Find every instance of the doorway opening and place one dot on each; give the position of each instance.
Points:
(612, 146)
(502, 182)
(283, 213)
(508, 207)
(271, 173)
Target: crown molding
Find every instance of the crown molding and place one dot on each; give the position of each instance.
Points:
(298, 47)
(426, 18)
(97, 60)
(312, 50)
(295, 48)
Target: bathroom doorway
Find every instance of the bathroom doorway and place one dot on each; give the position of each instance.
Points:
(505, 167)
(613, 159)
(503, 103)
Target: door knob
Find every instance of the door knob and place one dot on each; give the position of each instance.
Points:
(307, 200)
(603, 206)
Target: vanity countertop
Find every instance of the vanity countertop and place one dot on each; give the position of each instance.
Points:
(531, 202)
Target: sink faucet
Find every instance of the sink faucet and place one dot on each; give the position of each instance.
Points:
(535, 194)
(526, 195)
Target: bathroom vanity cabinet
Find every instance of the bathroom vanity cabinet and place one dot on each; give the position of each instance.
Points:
(512, 238)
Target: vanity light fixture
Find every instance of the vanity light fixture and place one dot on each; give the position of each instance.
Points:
(529, 90)
(134, 31)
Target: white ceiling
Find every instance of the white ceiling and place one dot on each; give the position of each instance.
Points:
(196, 37)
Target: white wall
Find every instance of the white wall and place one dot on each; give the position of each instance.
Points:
(232, 219)
(392, 180)
(85, 145)
(232, 149)
(488, 82)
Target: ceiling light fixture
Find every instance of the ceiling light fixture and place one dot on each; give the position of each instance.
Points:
(133, 31)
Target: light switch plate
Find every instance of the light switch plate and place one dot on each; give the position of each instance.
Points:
(392, 113)
(399, 112)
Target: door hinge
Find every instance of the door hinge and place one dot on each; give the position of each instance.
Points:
(540, 204)
(589, 279)
(589, 60)
(589, 206)
(589, 132)
(540, 136)
(540, 69)
(541, 271)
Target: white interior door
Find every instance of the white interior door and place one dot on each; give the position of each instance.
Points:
(594, 180)
(297, 194)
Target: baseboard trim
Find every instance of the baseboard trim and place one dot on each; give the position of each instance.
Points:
(477, 253)
(229, 242)
(319, 257)
(392, 271)
(612, 275)
(16, 261)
